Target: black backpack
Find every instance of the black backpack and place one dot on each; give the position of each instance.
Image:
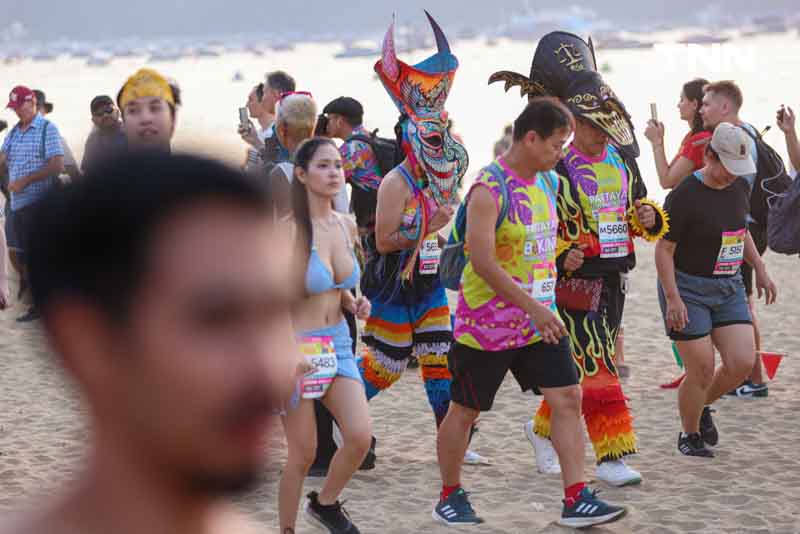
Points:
(387, 151)
(771, 179)
(784, 221)
(363, 201)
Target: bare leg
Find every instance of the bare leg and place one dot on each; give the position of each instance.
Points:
(348, 404)
(301, 437)
(566, 431)
(453, 440)
(698, 361)
(737, 351)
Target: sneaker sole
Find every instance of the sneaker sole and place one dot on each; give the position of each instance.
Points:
(697, 455)
(623, 483)
(585, 522)
(531, 435)
(442, 521)
(313, 521)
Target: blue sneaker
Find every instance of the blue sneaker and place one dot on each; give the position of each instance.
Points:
(456, 510)
(588, 511)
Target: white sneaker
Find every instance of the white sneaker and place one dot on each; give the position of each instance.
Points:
(617, 473)
(473, 458)
(546, 457)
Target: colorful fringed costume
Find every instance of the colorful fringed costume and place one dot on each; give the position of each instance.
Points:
(596, 213)
(410, 316)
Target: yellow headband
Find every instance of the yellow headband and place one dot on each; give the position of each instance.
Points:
(146, 83)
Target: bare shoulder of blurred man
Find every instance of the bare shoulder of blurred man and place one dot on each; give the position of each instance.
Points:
(180, 357)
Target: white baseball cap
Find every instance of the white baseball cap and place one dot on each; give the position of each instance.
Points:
(733, 146)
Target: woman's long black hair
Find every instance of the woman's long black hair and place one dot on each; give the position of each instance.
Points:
(693, 91)
(299, 194)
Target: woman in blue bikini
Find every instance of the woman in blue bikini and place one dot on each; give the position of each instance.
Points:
(330, 270)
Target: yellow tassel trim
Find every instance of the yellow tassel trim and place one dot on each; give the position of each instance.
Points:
(561, 246)
(636, 225)
(615, 447)
(541, 426)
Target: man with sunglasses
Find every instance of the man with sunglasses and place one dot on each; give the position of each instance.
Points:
(107, 138)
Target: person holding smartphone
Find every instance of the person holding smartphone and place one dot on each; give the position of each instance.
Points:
(690, 155)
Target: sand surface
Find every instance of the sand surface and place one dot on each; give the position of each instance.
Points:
(749, 487)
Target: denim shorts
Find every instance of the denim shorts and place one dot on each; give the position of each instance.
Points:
(346, 364)
(711, 303)
(343, 344)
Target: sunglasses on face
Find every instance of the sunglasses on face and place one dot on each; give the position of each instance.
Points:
(105, 111)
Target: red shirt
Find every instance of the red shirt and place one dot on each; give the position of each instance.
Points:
(692, 150)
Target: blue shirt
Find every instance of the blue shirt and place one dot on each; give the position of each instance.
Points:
(23, 150)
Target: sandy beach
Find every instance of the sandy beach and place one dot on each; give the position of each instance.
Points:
(746, 488)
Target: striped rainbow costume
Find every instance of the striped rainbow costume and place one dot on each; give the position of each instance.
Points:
(410, 316)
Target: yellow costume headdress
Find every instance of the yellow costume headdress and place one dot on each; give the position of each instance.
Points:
(146, 83)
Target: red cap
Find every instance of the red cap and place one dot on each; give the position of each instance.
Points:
(19, 95)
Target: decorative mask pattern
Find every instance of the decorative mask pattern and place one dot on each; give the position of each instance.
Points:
(420, 92)
(564, 66)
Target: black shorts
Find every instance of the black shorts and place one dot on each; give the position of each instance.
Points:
(478, 374)
(22, 221)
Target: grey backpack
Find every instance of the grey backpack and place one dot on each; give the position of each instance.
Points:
(783, 227)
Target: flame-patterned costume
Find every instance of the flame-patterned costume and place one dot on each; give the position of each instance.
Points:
(410, 315)
(596, 212)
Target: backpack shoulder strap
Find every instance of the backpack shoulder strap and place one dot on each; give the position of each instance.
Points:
(43, 149)
(361, 137)
(497, 172)
(754, 136)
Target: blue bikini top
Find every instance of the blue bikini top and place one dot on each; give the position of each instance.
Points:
(319, 279)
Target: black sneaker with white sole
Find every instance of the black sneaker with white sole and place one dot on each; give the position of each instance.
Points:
(708, 431)
(332, 519)
(588, 511)
(693, 445)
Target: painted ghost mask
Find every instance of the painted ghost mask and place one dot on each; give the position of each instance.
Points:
(420, 92)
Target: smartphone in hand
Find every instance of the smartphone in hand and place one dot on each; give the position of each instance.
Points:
(244, 118)
(653, 112)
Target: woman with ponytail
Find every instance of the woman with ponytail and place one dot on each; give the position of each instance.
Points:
(690, 156)
(325, 244)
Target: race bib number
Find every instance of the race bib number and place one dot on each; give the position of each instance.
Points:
(320, 353)
(731, 253)
(429, 255)
(544, 284)
(613, 230)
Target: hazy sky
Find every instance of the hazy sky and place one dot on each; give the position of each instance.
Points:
(101, 19)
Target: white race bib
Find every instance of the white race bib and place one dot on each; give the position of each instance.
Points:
(320, 353)
(429, 255)
(544, 284)
(731, 253)
(612, 228)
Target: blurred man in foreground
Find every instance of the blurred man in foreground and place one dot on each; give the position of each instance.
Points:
(181, 358)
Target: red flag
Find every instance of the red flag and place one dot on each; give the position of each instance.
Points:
(771, 361)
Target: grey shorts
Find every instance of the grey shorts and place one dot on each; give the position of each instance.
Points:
(711, 303)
